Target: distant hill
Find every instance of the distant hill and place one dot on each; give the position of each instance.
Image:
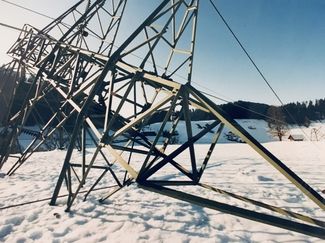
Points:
(300, 113)
(294, 113)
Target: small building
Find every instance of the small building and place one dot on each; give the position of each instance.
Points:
(296, 137)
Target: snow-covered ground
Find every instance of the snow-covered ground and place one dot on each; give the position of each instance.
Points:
(137, 215)
(257, 128)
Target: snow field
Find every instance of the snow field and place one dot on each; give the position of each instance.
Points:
(137, 215)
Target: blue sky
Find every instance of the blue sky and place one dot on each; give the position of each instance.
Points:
(286, 39)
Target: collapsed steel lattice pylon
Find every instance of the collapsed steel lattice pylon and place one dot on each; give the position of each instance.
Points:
(87, 74)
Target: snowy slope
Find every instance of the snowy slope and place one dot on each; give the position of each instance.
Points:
(257, 128)
(136, 215)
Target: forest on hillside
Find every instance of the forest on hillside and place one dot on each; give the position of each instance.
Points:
(300, 113)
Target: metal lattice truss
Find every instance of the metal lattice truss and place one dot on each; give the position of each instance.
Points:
(111, 95)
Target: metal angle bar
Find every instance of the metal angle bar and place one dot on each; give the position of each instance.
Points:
(179, 67)
(83, 180)
(186, 113)
(83, 148)
(152, 56)
(39, 44)
(96, 144)
(115, 81)
(95, 184)
(118, 25)
(55, 22)
(162, 37)
(66, 65)
(108, 110)
(180, 168)
(180, 31)
(162, 82)
(133, 173)
(109, 104)
(193, 41)
(41, 51)
(135, 150)
(114, 176)
(175, 5)
(75, 173)
(105, 168)
(20, 43)
(106, 160)
(86, 84)
(145, 94)
(100, 23)
(237, 211)
(142, 44)
(185, 22)
(132, 137)
(27, 104)
(111, 194)
(129, 161)
(159, 153)
(129, 100)
(178, 151)
(148, 77)
(68, 183)
(101, 152)
(172, 183)
(173, 21)
(266, 206)
(267, 155)
(87, 166)
(212, 146)
(163, 31)
(143, 115)
(162, 126)
(171, 131)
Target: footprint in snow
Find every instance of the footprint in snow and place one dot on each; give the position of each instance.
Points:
(36, 235)
(59, 232)
(5, 230)
(33, 216)
(293, 199)
(16, 220)
(263, 178)
(89, 209)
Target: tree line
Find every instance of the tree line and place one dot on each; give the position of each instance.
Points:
(300, 113)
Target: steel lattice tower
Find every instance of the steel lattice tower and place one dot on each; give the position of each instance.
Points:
(75, 59)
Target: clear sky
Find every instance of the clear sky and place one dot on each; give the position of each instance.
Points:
(286, 39)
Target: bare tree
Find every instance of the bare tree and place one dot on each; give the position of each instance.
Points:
(276, 122)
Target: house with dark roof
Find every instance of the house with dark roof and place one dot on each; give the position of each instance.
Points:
(296, 137)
